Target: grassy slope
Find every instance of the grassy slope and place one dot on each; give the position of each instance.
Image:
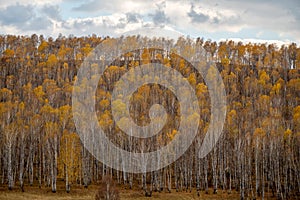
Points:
(79, 193)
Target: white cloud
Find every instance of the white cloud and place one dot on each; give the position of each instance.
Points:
(278, 43)
(5, 3)
(116, 6)
(214, 18)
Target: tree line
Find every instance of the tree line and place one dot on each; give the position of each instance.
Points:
(257, 154)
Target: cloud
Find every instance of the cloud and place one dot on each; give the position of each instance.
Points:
(225, 18)
(90, 6)
(6, 3)
(28, 17)
(23, 17)
(37, 23)
(132, 17)
(16, 14)
(197, 17)
(159, 16)
(213, 19)
(52, 11)
(102, 25)
(115, 6)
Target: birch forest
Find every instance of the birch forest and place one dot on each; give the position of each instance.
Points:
(258, 152)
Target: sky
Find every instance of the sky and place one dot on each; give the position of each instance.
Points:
(256, 20)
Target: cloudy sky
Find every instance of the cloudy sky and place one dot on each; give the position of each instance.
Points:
(274, 20)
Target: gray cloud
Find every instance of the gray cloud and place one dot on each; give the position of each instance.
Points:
(83, 24)
(216, 20)
(197, 17)
(16, 14)
(52, 11)
(24, 18)
(159, 17)
(37, 23)
(132, 17)
(122, 23)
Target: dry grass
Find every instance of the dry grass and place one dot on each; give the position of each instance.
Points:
(178, 196)
(79, 193)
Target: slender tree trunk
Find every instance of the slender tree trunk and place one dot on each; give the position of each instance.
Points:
(9, 167)
(21, 170)
(205, 175)
(214, 171)
(257, 180)
(68, 188)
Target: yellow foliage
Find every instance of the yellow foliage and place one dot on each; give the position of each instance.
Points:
(145, 56)
(86, 49)
(263, 77)
(276, 89)
(287, 133)
(43, 46)
(22, 106)
(119, 106)
(5, 94)
(105, 119)
(39, 93)
(172, 134)
(104, 104)
(9, 53)
(69, 161)
(192, 79)
(259, 132)
(52, 60)
(225, 62)
(296, 117)
(231, 117)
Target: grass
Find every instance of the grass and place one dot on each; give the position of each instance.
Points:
(80, 193)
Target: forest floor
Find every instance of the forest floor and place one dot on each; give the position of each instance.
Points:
(80, 193)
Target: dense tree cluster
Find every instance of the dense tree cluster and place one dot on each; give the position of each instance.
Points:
(258, 152)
